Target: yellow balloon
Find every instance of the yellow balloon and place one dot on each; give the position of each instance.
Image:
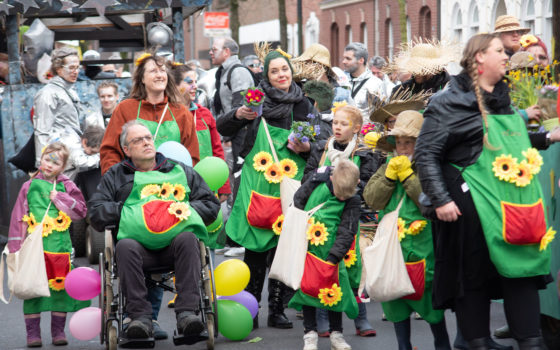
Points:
(231, 277)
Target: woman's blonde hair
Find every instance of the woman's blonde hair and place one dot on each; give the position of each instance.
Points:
(353, 113)
(59, 147)
(476, 44)
(345, 178)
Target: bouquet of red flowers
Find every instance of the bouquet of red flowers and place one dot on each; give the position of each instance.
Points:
(254, 99)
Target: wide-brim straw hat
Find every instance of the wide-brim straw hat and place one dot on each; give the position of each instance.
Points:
(426, 58)
(316, 53)
(402, 101)
(408, 124)
(508, 23)
(520, 60)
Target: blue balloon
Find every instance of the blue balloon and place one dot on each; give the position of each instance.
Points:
(176, 151)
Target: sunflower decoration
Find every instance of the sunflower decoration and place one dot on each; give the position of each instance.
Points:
(166, 190)
(534, 160)
(48, 225)
(338, 105)
(505, 168)
(181, 210)
(401, 229)
(57, 284)
(261, 161)
(350, 258)
(30, 221)
(416, 227)
(273, 173)
(277, 225)
(179, 192)
(317, 233)
(330, 296)
(547, 238)
(289, 167)
(524, 175)
(140, 59)
(61, 222)
(149, 190)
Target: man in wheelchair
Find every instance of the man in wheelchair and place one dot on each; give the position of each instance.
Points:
(160, 207)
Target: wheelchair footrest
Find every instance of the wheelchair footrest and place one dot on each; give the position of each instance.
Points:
(146, 343)
(179, 339)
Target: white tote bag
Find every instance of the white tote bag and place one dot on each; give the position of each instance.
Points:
(289, 259)
(386, 275)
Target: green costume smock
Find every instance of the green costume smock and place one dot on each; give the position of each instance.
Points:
(57, 247)
(168, 130)
(323, 284)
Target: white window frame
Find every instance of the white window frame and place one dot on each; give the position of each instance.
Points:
(547, 26)
(391, 43)
(457, 27)
(529, 20)
(474, 26)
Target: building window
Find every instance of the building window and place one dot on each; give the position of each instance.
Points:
(408, 29)
(389, 38)
(529, 18)
(334, 44)
(348, 34)
(425, 30)
(500, 9)
(547, 31)
(474, 21)
(457, 23)
(363, 34)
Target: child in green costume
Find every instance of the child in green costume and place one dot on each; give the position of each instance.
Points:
(67, 204)
(331, 230)
(393, 182)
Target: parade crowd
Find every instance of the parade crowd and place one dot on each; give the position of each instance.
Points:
(446, 155)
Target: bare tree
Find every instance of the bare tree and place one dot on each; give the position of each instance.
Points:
(402, 20)
(556, 28)
(283, 24)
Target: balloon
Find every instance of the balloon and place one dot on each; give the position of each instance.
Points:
(86, 323)
(246, 299)
(83, 283)
(235, 321)
(231, 277)
(216, 225)
(176, 151)
(214, 171)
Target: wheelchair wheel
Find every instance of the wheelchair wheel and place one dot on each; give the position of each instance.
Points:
(211, 333)
(112, 338)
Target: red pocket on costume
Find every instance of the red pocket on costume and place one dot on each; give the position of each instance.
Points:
(263, 210)
(523, 223)
(157, 217)
(417, 274)
(318, 274)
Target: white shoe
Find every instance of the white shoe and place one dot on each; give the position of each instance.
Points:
(237, 251)
(310, 340)
(338, 342)
(221, 251)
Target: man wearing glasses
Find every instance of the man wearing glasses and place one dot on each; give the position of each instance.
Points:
(56, 105)
(509, 30)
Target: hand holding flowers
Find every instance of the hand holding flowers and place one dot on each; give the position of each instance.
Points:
(254, 99)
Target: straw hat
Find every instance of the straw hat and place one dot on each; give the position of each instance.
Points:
(522, 59)
(316, 53)
(426, 58)
(392, 106)
(507, 23)
(408, 124)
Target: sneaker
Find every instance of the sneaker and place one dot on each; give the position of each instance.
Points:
(310, 340)
(236, 251)
(502, 332)
(221, 251)
(383, 317)
(159, 334)
(324, 334)
(189, 324)
(139, 328)
(338, 342)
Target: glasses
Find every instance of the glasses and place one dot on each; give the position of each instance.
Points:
(141, 139)
(255, 65)
(71, 68)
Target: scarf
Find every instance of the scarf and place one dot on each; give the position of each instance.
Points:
(279, 104)
(335, 155)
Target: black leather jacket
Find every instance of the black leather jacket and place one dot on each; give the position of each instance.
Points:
(452, 133)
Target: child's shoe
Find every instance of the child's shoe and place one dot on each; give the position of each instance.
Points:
(310, 340)
(338, 342)
(33, 327)
(57, 330)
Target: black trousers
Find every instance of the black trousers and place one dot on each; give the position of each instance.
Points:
(182, 256)
(310, 319)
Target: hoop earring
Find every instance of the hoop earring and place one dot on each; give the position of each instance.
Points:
(480, 70)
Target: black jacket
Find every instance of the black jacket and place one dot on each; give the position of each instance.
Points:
(433, 85)
(105, 206)
(349, 219)
(452, 133)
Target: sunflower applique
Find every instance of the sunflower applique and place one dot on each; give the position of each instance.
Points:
(61, 222)
(48, 225)
(330, 296)
(505, 168)
(180, 210)
(149, 190)
(31, 222)
(524, 174)
(277, 225)
(179, 192)
(317, 233)
(57, 284)
(289, 167)
(261, 161)
(416, 227)
(401, 229)
(273, 173)
(166, 190)
(547, 238)
(534, 160)
(350, 258)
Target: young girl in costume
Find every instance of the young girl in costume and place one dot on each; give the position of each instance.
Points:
(67, 204)
(393, 182)
(344, 144)
(331, 233)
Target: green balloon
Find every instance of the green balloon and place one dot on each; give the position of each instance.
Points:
(214, 171)
(216, 225)
(234, 320)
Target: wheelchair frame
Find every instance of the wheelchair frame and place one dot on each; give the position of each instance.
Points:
(111, 301)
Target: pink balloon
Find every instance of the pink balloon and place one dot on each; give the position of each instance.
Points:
(83, 283)
(85, 324)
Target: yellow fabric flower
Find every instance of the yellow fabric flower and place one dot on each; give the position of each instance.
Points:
(261, 161)
(166, 190)
(350, 258)
(277, 225)
(149, 190)
(140, 59)
(317, 233)
(289, 167)
(338, 105)
(180, 210)
(31, 222)
(179, 192)
(330, 296)
(284, 53)
(48, 226)
(524, 175)
(416, 227)
(273, 173)
(61, 222)
(401, 229)
(534, 160)
(528, 40)
(57, 284)
(547, 238)
(505, 167)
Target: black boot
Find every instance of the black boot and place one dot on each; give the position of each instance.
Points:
(479, 344)
(493, 345)
(441, 338)
(402, 331)
(276, 316)
(536, 343)
(255, 287)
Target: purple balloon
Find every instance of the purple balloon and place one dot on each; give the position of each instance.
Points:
(83, 283)
(246, 299)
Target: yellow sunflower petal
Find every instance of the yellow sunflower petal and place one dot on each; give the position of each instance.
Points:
(273, 173)
(47, 226)
(289, 167)
(401, 229)
(505, 167)
(61, 222)
(524, 174)
(534, 160)
(149, 190)
(416, 227)
(547, 238)
(179, 192)
(317, 233)
(180, 209)
(330, 296)
(261, 161)
(57, 284)
(166, 190)
(350, 258)
(277, 226)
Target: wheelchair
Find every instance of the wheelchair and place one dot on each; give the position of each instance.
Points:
(112, 301)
